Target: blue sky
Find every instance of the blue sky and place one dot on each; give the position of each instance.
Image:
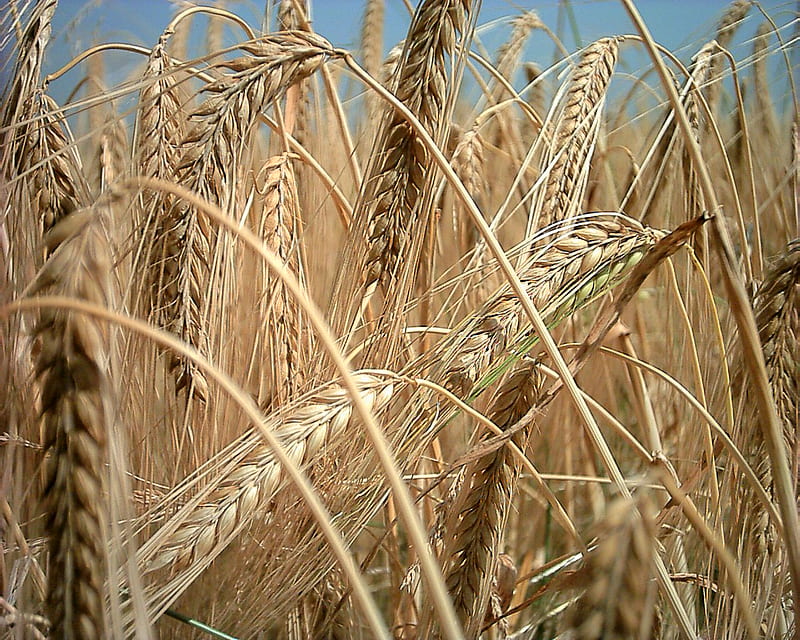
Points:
(681, 25)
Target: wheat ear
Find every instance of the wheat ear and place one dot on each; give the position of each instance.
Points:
(204, 530)
(727, 26)
(571, 264)
(477, 532)
(372, 36)
(284, 321)
(510, 52)
(575, 135)
(75, 396)
(619, 597)
(211, 157)
(395, 186)
(777, 308)
(28, 64)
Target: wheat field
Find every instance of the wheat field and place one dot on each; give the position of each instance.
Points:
(303, 341)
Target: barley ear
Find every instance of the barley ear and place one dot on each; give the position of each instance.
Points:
(72, 367)
(576, 131)
(473, 551)
(618, 575)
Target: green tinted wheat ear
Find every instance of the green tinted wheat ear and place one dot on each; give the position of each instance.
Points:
(618, 575)
(213, 152)
(75, 406)
(575, 135)
(571, 263)
(477, 529)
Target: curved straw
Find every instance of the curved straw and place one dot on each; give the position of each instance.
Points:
(411, 519)
(533, 316)
(745, 322)
(248, 405)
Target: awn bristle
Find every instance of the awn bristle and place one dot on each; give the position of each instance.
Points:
(72, 366)
(478, 527)
(576, 130)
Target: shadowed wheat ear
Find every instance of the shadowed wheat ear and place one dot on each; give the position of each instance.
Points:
(292, 15)
(482, 510)
(765, 110)
(196, 260)
(575, 132)
(72, 366)
(777, 315)
(777, 307)
(619, 577)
